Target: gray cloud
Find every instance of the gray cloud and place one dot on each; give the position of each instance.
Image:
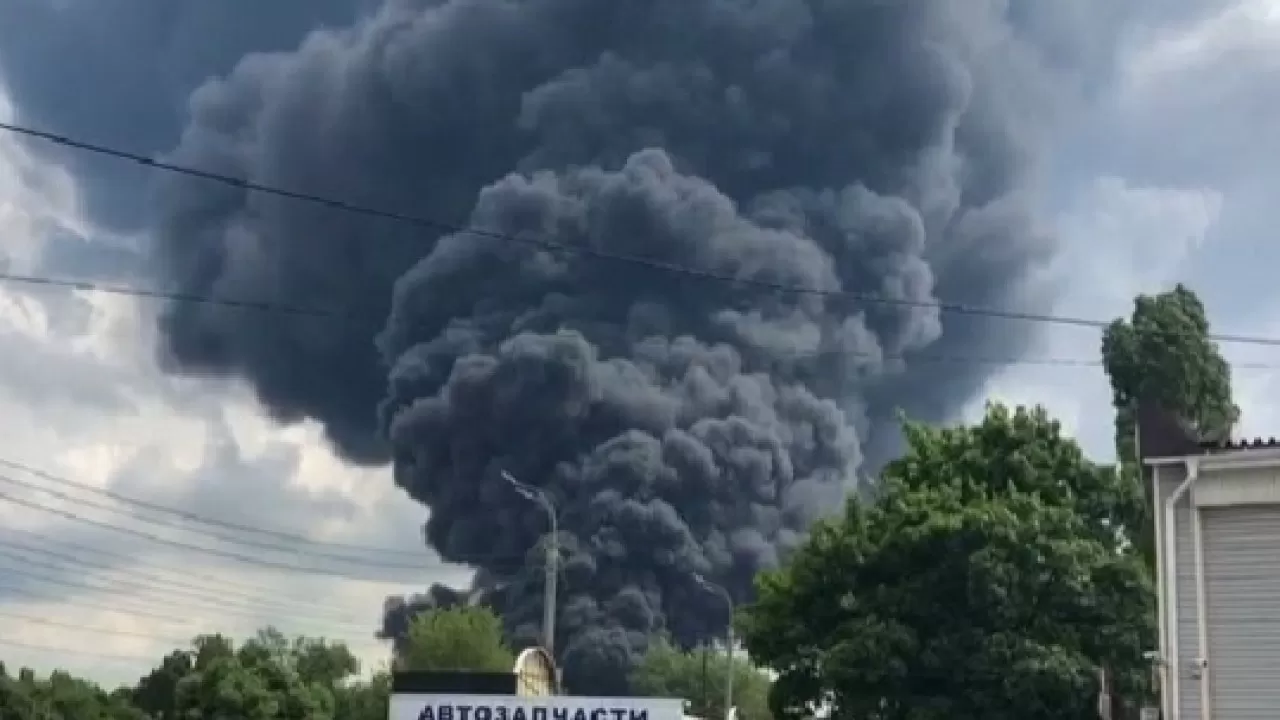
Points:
(1193, 111)
(79, 394)
(120, 72)
(69, 255)
(873, 147)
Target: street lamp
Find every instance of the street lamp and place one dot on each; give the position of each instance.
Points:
(536, 495)
(728, 640)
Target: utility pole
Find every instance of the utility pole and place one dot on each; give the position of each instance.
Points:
(536, 495)
(705, 708)
(728, 640)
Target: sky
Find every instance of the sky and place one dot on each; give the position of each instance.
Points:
(1162, 178)
(81, 399)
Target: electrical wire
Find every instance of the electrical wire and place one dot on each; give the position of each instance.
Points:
(216, 584)
(229, 539)
(258, 603)
(62, 582)
(202, 519)
(438, 226)
(136, 590)
(78, 652)
(545, 244)
(45, 622)
(218, 552)
(268, 307)
(151, 294)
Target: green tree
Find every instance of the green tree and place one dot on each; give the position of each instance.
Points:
(156, 692)
(460, 638)
(268, 676)
(314, 660)
(60, 697)
(259, 681)
(365, 700)
(986, 580)
(1163, 355)
(698, 677)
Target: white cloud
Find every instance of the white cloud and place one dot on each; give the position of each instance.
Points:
(1241, 31)
(1178, 162)
(1256, 389)
(80, 397)
(1175, 169)
(1120, 240)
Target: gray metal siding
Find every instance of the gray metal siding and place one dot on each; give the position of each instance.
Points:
(1242, 573)
(1188, 630)
(1188, 701)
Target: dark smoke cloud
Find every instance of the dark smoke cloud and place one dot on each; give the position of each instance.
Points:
(682, 426)
(425, 104)
(120, 72)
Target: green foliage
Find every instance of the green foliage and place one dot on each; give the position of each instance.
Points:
(365, 700)
(699, 678)
(1018, 452)
(269, 677)
(988, 579)
(460, 638)
(992, 576)
(60, 697)
(156, 693)
(264, 680)
(1163, 354)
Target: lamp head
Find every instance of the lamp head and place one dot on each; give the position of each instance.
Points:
(525, 491)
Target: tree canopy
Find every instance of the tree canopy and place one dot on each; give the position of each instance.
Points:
(458, 638)
(1163, 354)
(986, 579)
(993, 574)
(698, 676)
(60, 697)
(267, 677)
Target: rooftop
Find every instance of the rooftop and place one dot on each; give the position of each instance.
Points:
(1257, 443)
(1163, 434)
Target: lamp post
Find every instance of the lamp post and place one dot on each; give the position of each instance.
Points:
(536, 495)
(728, 640)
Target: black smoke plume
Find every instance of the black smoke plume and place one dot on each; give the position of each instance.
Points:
(120, 71)
(682, 426)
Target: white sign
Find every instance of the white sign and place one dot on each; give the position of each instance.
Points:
(415, 706)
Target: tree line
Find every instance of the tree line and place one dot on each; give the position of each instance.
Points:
(274, 677)
(994, 572)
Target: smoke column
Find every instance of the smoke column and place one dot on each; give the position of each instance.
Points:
(119, 70)
(681, 426)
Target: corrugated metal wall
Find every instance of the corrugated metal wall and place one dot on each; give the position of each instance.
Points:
(1242, 578)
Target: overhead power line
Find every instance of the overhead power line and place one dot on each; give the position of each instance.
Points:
(131, 506)
(177, 544)
(192, 576)
(318, 611)
(78, 652)
(553, 246)
(914, 357)
(190, 298)
(138, 600)
(129, 607)
(149, 596)
(79, 628)
(228, 539)
(205, 520)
